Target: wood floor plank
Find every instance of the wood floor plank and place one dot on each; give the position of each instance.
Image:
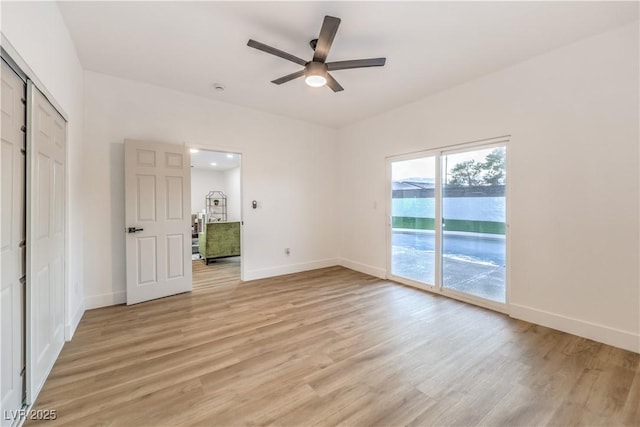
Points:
(330, 347)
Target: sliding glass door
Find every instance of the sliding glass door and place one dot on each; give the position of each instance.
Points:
(413, 210)
(448, 221)
(473, 223)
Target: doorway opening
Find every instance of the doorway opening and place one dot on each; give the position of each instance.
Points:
(216, 217)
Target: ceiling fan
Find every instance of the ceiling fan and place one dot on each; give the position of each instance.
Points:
(316, 71)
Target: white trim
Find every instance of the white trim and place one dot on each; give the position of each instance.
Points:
(616, 337)
(451, 148)
(388, 222)
(467, 146)
(263, 273)
(243, 264)
(71, 327)
(438, 224)
(105, 300)
(380, 273)
(29, 395)
(507, 225)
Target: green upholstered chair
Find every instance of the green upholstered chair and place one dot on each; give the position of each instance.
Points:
(219, 240)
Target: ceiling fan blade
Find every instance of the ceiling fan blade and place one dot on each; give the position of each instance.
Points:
(356, 63)
(288, 77)
(325, 39)
(333, 84)
(277, 52)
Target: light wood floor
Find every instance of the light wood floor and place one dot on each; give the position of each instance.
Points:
(331, 347)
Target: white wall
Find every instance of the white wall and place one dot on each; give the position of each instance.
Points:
(286, 173)
(232, 179)
(38, 34)
(574, 181)
(203, 181)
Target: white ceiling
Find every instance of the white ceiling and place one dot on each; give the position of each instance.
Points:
(429, 46)
(204, 159)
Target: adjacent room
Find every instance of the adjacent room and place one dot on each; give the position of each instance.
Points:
(320, 213)
(215, 212)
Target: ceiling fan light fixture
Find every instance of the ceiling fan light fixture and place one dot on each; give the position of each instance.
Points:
(315, 74)
(315, 81)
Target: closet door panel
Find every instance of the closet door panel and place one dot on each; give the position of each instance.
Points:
(46, 202)
(12, 246)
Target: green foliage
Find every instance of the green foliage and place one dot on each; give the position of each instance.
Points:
(471, 173)
(466, 173)
(494, 167)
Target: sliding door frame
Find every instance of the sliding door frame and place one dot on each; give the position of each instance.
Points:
(437, 287)
(438, 218)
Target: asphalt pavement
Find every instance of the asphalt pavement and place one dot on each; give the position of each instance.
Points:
(472, 263)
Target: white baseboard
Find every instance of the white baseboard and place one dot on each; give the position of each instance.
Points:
(363, 268)
(30, 400)
(75, 321)
(604, 334)
(105, 300)
(263, 273)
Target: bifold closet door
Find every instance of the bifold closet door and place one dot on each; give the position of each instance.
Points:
(46, 144)
(13, 245)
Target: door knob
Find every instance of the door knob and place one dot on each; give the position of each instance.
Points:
(134, 230)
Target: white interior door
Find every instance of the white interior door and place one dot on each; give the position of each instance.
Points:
(158, 220)
(12, 194)
(46, 200)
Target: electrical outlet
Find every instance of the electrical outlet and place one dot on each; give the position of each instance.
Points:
(287, 251)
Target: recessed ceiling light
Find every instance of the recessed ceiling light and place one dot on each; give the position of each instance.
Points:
(194, 150)
(214, 164)
(218, 87)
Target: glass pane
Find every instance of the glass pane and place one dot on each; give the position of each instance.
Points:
(413, 218)
(473, 213)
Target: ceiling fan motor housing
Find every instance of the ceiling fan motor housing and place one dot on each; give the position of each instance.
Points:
(314, 68)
